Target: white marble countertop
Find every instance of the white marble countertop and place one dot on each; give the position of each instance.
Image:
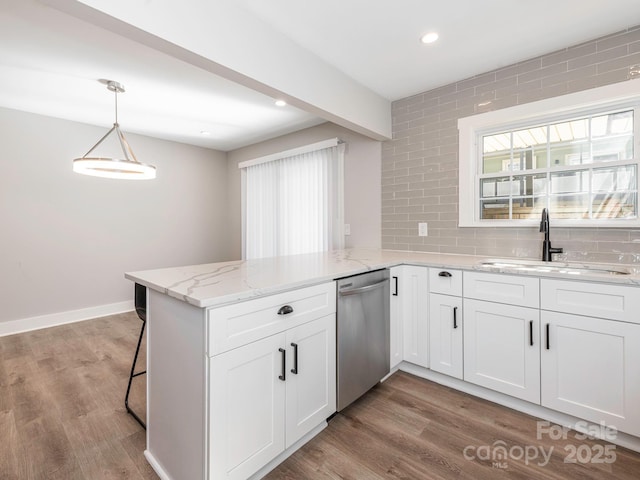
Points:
(222, 283)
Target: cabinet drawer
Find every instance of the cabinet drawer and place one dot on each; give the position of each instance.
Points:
(614, 302)
(235, 325)
(497, 287)
(445, 281)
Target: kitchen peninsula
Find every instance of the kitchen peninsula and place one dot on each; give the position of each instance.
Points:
(221, 403)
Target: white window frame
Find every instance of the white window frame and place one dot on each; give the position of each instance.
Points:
(472, 129)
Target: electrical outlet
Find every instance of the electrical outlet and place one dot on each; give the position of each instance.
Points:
(422, 229)
(347, 229)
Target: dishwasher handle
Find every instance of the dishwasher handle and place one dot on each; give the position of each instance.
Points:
(366, 288)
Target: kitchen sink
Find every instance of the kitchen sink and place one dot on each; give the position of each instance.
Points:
(535, 266)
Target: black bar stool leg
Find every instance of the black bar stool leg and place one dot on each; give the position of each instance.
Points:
(132, 375)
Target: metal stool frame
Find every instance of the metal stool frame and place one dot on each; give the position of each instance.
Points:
(140, 300)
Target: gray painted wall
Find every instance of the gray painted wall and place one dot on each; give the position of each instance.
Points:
(362, 181)
(420, 163)
(67, 239)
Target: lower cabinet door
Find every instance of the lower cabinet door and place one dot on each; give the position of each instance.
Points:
(395, 318)
(502, 349)
(591, 369)
(445, 334)
(414, 298)
(311, 376)
(247, 408)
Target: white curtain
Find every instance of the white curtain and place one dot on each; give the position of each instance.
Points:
(295, 204)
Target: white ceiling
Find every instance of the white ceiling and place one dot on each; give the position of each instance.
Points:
(50, 61)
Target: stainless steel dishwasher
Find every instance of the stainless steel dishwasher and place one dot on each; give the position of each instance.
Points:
(362, 334)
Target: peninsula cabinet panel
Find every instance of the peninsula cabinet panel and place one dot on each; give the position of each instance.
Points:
(311, 377)
(247, 409)
(501, 348)
(591, 369)
(268, 394)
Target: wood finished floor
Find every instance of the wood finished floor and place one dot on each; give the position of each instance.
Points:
(62, 417)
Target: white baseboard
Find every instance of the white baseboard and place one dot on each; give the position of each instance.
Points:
(54, 319)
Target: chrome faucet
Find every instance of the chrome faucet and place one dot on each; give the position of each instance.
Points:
(547, 251)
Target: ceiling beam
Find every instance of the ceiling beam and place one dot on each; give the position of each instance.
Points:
(226, 40)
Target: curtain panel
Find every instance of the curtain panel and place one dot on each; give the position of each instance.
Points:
(295, 204)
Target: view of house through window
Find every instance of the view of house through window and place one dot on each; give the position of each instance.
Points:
(294, 204)
(582, 168)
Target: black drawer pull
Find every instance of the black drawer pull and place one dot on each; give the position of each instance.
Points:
(548, 347)
(530, 332)
(283, 376)
(294, 370)
(455, 317)
(287, 309)
(444, 274)
(395, 280)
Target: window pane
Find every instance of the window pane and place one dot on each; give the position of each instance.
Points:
(612, 136)
(570, 206)
(494, 209)
(531, 184)
(496, 187)
(615, 205)
(496, 162)
(522, 208)
(612, 179)
(612, 124)
(528, 207)
(567, 182)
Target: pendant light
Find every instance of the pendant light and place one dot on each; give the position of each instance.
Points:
(128, 168)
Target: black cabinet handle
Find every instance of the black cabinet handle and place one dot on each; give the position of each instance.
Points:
(530, 332)
(444, 274)
(395, 280)
(283, 376)
(455, 317)
(294, 370)
(547, 336)
(285, 310)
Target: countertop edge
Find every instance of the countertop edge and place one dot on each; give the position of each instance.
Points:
(240, 280)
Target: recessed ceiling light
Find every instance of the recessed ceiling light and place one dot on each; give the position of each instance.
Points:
(206, 133)
(281, 103)
(429, 37)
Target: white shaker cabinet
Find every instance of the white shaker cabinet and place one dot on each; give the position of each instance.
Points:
(247, 408)
(231, 388)
(395, 318)
(501, 333)
(445, 334)
(268, 394)
(591, 361)
(413, 290)
(591, 369)
(445, 322)
(311, 377)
